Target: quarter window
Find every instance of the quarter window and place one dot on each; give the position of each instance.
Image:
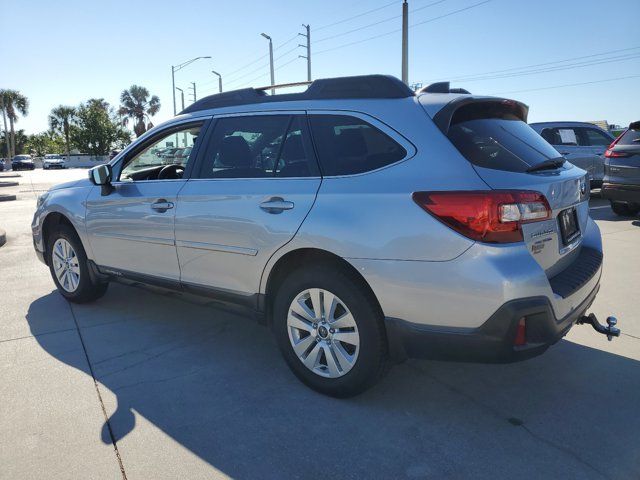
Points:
(348, 145)
(259, 146)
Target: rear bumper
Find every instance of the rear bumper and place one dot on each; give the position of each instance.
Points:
(621, 192)
(493, 341)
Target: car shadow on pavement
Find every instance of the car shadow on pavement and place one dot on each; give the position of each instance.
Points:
(215, 383)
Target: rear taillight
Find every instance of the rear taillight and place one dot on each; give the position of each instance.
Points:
(609, 153)
(493, 216)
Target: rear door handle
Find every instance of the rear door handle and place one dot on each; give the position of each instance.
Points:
(161, 205)
(276, 205)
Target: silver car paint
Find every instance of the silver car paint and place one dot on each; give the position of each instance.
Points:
(420, 270)
(589, 158)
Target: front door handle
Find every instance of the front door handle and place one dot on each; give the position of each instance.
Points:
(161, 205)
(276, 205)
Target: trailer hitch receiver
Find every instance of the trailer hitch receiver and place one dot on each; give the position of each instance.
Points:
(610, 331)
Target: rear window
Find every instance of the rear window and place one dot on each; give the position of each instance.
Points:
(630, 137)
(348, 145)
(495, 136)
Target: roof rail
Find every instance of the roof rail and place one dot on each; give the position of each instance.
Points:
(364, 86)
(442, 87)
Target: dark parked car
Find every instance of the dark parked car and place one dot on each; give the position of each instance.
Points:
(22, 162)
(622, 172)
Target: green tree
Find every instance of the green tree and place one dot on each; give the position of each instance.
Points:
(46, 142)
(13, 104)
(136, 105)
(60, 120)
(20, 140)
(95, 129)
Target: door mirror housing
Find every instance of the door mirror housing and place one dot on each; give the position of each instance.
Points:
(101, 176)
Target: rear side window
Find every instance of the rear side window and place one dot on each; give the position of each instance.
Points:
(347, 145)
(630, 137)
(259, 146)
(594, 138)
(493, 136)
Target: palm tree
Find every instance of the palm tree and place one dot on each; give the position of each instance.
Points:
(60, 121)
(13, 103)
(136, 105)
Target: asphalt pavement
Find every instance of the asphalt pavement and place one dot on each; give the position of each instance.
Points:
(146, 384)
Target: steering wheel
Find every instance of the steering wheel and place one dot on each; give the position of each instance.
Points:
(171, 171)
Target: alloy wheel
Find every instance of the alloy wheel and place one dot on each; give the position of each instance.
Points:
(323, 333)
(65, 265)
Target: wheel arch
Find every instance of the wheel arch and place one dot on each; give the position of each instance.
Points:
(51, 221)
(294, 259)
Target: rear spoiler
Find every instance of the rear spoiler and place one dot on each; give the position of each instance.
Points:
(443, 118)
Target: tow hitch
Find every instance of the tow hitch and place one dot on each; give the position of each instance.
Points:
(610, 331)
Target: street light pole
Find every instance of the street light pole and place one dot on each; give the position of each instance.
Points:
(273, 81)
(219, 80)
(405, 42)
(182, 95)
(174, 69)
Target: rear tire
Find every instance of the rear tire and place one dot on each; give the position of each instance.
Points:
(337, 366)
(67, 262)
(624, 209)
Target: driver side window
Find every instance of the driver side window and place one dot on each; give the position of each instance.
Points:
(165, 158)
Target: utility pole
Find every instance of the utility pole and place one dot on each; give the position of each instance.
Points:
(184, 141)
(273, 80)
(405, 42)
(308, 46)
(193, 87)
(219, 80)
(174, 69)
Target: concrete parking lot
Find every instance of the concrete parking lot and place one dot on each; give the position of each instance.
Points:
(149, 385)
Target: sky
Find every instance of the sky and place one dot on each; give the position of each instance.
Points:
(568, 60)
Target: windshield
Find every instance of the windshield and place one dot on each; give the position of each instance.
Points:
(499, 140)
(52, 156)
(22, 157)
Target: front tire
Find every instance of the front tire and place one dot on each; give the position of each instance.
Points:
(624, 209)
(69, 268)
(330, 330)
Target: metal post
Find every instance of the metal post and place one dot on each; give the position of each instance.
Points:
(173, 84)
(308, 47)
(182, 95)
(273, 80)
(219, 80)
(405, 42)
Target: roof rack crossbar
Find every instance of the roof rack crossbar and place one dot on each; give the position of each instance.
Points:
(283, 85)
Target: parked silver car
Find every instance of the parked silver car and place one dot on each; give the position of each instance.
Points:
(362, 222)
(52, 160)
(583, 144)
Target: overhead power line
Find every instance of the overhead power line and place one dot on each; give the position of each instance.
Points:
(567, 85)
(237, 70)
(353, 17)
(388, 19)
(399, 29)
(557, 68)
(523, 67)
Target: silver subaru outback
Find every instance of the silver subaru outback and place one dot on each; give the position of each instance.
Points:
(363, 222)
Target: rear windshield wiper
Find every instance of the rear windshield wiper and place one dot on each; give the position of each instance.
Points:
(550, 164)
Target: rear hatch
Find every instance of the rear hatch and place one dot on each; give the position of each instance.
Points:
(492, 134)
(622, 164)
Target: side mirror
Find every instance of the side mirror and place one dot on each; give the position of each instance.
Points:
(101, 175)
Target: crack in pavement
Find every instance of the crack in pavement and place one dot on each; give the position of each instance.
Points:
(95, 384)
(497, 414)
